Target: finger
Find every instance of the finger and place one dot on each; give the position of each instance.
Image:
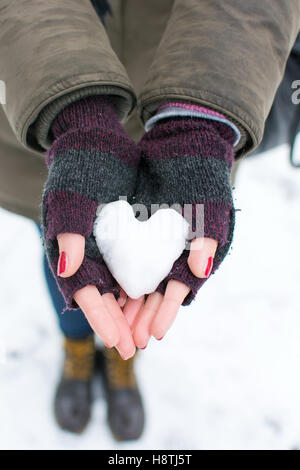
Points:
(91, 303)
(141, 334)
(122, 298)
(131, 310)
(125, 345)
(71, 253)
(201, 256)
(175, 294)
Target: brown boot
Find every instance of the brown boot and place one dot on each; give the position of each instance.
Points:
(72, 404)
(125, 408)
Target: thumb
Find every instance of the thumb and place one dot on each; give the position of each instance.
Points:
(201, 256)
(71, 253)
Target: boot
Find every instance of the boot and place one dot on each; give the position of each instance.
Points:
(72, 404)
(125, 408)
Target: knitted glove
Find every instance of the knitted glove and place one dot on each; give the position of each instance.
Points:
(91, 161)
(186, 160)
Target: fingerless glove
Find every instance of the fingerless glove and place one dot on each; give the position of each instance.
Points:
(91, 161)
(186, 160)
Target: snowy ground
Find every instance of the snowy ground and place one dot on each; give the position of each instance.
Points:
(227, 376)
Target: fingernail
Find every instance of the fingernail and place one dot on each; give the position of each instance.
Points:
(144, 347)
(209, 266)
(62, 263)
(107, 346)
(159, 339)
(123, 356)
(129, 356)
(121, 301)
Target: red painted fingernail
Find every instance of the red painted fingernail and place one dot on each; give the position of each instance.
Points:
(209, 266)
(144, 347)
(159, 339)
(62, 263)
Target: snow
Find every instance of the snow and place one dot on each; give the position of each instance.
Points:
(226, 376)
(128, 245)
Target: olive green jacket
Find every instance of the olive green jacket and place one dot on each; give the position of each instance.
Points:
(228, 55)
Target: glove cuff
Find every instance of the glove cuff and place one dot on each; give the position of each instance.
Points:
(186, 136)
(95, 111)
(91, 124)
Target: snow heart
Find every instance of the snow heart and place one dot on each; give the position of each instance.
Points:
(139, 254)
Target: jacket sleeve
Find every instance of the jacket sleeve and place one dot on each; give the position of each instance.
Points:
(228, 55)
(52, 53)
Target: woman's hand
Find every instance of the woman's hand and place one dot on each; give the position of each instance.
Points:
(186, 163)
(91, 161)
(155, 315)
(103, 312)
(140, 318)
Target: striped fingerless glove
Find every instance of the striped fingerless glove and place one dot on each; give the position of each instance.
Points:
(188, 160)
(91, 161)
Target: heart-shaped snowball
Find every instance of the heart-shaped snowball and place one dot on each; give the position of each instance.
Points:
(139, 254)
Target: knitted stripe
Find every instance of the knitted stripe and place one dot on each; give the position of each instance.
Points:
(183, 109)
(87, 113)
(67, 212)
(190, 107)
(193, 137)
(72, 170)
(216, 220)
(91, 124)
(183, 180)
(91, 140)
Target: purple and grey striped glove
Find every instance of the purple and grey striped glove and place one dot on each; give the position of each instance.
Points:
(91, 161)
(188, 160)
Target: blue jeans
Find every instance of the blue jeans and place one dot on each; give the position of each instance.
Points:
(72, 323)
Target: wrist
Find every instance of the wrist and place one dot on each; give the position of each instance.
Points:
(185, 109)
(191, 136)
(87, 113)
(90, 124)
